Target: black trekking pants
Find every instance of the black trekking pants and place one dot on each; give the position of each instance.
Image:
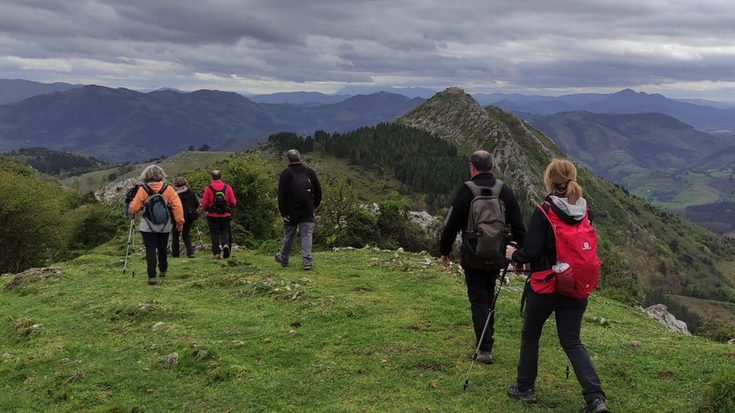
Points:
(219, 227)
(569, 312)
(480, 291)
(185, 236)
(156, 246)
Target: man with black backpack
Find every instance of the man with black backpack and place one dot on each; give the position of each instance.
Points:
(218, 201)
(483, 210)
(299, 196)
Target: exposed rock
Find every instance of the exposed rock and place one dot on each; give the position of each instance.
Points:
(114, 193)
(157, 325)
(32, 275)
(731, 342)
(635, 343)
(659, 313)
(423, 218)
(172, 360)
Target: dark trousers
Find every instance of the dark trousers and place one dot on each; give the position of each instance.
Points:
(219, 227)
(156, 245)
(185, 236)
(480, 291)
(569, 312)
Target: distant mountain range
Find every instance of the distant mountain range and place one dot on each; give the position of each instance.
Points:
(15, 90)
(124, 125)
(704, 115)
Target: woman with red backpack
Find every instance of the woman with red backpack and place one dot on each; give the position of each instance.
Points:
(564, 270)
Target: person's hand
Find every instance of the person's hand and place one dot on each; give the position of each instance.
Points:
(446, 260)
(179, 227)
(315, 208)
(509, 250)
(287, 218)
(132, 217)
(518, 267)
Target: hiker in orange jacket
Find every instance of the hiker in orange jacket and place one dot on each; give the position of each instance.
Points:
(155, 235)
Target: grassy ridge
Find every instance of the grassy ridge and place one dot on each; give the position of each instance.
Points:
(365, 331)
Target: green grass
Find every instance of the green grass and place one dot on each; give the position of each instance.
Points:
(672, 190)
(365, 330)
(172, 165)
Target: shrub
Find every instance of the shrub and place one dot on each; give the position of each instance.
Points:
(716, 329)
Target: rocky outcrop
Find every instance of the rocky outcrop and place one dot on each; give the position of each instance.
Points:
(423, 218)
(660, 313)
(114, 193)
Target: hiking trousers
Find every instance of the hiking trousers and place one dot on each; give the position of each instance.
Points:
(156, 246)
(219, 227)
(480, 291)
(306, 229)
(185, 235)
(569, 312)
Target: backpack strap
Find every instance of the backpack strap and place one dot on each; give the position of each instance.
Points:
(477, 189)
(163, 188)
(147, 189)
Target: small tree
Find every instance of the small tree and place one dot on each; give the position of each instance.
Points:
(191, 148)
(204, 148)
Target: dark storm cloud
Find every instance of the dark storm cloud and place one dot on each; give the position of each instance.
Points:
(488, 44)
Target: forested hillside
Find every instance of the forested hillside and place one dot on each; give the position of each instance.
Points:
(59, 163)
(643, 248)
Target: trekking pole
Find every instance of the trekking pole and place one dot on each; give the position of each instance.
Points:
(567, 370)
(132, 258)
(127, 250)
(487, 322)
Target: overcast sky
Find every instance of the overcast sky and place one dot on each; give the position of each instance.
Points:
(680, 48)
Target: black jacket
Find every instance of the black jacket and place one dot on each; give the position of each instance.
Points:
(189, 202)
(460, 212)
(540, 247)
(285, 186)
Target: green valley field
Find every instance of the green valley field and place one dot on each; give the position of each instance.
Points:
(365, 331)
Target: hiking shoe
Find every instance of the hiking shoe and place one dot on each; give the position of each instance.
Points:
(152, 281)
(307, 267)
(528, 396)
(482, 357)
(216, 257)
(191, 255)
(162, 274)
(280, 261)
(226, 251)
(595, 406)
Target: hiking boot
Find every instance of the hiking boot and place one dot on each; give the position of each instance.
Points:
(280, 261)
(216, 257)
(307, 267)
(482, 357)
(162, 274)
(595, 406)
(191, 255)
(226, 251)
(152, 281)
(528, 396)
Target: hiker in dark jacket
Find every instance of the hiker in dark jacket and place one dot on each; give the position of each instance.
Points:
(565, 199)
(190, 203)
(299, 196)
(219, 222)
(480, 283)
(155, 236)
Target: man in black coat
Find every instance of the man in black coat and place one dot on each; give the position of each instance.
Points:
(480, 283)
(299, 196)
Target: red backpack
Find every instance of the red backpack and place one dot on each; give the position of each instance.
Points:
(576, 245)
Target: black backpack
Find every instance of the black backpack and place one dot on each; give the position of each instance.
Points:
(484, 238)
(130, 195)
(157, 210)
(301, 190)
(220, 200)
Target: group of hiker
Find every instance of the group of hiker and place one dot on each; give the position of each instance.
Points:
(559, 248)
(164, 209)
